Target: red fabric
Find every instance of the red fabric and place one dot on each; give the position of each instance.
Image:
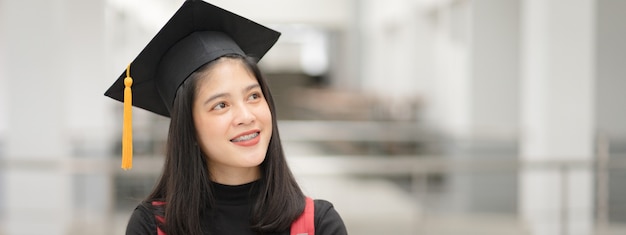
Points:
(159, 218)
(304, 225)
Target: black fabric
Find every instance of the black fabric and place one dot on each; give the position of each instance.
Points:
(232, 214)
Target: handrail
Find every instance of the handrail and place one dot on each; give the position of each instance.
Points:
(328, 164)
(354, 131)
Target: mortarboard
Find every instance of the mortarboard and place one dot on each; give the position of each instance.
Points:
(195, 35)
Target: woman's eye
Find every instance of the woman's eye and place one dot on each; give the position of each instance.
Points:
(254, 96)
(219, 106)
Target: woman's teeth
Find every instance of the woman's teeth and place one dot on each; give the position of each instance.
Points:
(246, 137)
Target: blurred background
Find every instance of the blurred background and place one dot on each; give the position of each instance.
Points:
(411, 116)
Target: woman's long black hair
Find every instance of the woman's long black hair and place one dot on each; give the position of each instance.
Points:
(185, 181)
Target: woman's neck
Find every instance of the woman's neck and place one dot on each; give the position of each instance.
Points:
(235, 176)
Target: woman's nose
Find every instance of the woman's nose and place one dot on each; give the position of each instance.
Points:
(244, 115)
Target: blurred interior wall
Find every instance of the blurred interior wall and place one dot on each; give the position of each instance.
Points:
(389, 54)
(557, 115)
(53, 61)
(494, 41)
(35, 114)
(610, 68)
(490, 113)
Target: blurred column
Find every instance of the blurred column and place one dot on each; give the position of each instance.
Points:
(91, 122)
(3, 122)
(88, 114)
(611, 69)
(52, 61)
(610, 108)
(396, 51)
(36, 189)
(491, 110)
(557, 115)
(494, 70)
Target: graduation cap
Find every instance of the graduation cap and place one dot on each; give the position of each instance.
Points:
(196, 34)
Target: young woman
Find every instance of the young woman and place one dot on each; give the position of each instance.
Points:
(225, 171)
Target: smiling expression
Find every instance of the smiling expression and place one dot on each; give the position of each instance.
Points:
(232, 119)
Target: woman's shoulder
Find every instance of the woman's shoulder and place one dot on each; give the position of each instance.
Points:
(142, 220)
(327, 219)
(322, 207)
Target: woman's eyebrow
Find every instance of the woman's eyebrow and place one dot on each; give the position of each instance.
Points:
(250, 87)
(214, 97)
(222, 95)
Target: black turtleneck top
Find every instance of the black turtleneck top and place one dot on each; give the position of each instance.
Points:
(231, 214)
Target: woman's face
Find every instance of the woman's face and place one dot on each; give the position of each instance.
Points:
(233, 121)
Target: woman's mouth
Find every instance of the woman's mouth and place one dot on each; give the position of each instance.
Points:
(245, 137)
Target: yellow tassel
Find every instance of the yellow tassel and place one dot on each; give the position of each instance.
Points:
(127, 132)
